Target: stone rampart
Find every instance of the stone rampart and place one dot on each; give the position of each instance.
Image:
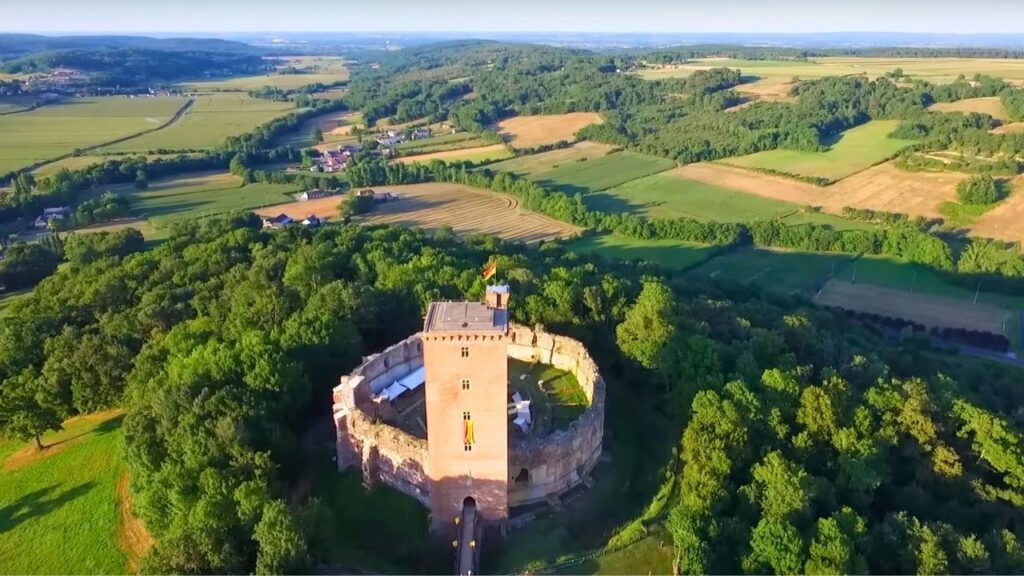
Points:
(538, 467)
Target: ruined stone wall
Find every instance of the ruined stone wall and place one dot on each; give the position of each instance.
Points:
(559, 461)
(384, 453)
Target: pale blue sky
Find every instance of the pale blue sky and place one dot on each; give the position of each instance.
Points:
(945, 16)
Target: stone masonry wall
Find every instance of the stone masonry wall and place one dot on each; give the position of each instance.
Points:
(555, 463)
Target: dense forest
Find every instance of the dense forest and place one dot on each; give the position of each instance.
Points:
(807, 443)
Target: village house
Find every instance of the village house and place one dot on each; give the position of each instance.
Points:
(420, 133)
(335, 160)
(312, 221)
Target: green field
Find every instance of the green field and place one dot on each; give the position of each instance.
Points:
(58, 129)
(524, 166)
(332, 70)
(59, 510)
(674, 254)
(939, 70)
(596, 174)
(199, 195)
(442, 143)
(211, 119)
(663, 196)
(854, 150)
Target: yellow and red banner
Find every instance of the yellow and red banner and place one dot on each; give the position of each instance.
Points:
(467, 432)
(490, 270)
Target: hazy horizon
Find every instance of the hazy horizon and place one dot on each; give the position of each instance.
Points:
(521, 16)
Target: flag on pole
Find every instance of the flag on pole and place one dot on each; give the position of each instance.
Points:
(490, 270)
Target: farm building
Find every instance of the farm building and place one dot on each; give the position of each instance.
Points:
(451, 418)
(315, 194)
(279, 221)
(312, 221)
(59, 213)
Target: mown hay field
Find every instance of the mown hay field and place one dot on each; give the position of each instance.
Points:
(330, 70)
(531, 131)
(854, 150)
(939, 70)
(929, 310)
(1006, 220)
(489, 153)
(58, 129)
(464, 209)
(60, 510)
(993, 106)
(883, 187)
(208, 123)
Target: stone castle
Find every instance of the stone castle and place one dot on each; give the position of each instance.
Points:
(430, 416)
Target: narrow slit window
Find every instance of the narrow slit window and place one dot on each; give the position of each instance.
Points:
(464, 352)
(465, 383)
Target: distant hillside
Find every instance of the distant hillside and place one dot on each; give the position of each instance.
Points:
(16, 45)
(133, 65)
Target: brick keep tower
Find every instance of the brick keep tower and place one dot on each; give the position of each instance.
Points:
(466, 361)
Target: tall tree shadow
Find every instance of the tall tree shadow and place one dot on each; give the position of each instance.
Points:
(39, 503)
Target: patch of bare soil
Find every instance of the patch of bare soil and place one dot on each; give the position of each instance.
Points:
(133, 538)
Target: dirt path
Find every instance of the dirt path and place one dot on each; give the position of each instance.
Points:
(133, 538)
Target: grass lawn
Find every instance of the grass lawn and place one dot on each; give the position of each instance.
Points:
(959, 215)
(602, 173)
(557, 404)
(59, 510)
(674, 254)
(58, 129)
(663, 196)
(8, 299)
(652, 555)
(208, 123)
(485, 153)
(854, 150)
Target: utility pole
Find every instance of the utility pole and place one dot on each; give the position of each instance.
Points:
(976, 292)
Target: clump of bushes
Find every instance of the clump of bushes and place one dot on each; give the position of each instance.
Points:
(980, 191)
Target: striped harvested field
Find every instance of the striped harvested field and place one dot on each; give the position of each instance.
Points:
(464, 209)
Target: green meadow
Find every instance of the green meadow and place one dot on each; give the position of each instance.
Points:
(665, 195)
(852, 151)
(59, 509)
(674, 254)
(198, 195)
(596, 174)
(208, 123)
(58, 129)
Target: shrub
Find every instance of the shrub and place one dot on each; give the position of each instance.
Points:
(979, 190)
